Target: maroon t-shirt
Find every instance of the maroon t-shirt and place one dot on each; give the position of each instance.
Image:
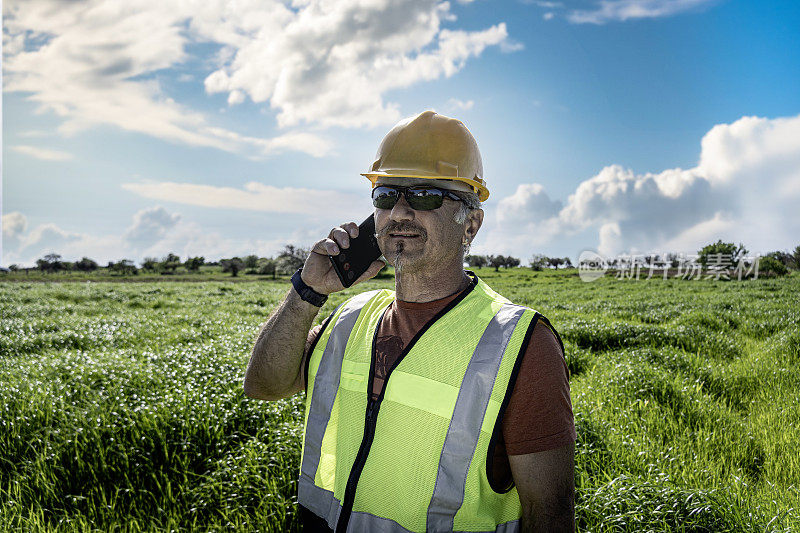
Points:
(539, 413)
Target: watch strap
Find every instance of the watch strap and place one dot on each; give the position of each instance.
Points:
(306, 293)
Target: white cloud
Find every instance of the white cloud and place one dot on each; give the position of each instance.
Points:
(610, 239)
(43, 239)
(461, 105)
(14, 225)
(329, 63)
(254, 197)
(622, 10)
(96, 62)
(42, 153)
(549, 15)
(544, 3)
(150, 226)
(729, 150)
(646, 207)
(693, 238)
(529, 204)
(742, 190)
(316, 63)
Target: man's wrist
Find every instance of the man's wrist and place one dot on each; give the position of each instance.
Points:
(306, 293)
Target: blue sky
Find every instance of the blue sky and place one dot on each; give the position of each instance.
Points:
(208, 129)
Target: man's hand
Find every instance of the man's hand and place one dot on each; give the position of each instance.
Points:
(318, 272)
(274, 370)
(546, 486)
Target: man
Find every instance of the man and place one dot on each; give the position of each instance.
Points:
(440, 406)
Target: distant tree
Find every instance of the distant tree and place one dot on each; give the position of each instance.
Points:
(193, 264)
(511, 262)
(124, 267)
(150, 264)
(476, 261)
(555, 262)
(52, 258)
(567, 262)
(796, 256)
(14, 267)
(251, 261)
(496, 261)
(291, 258)
(233, 265)
(672, 259)
(770, 265)
(267, 266)
(728, 250)
(538, 261)
(86, 265)
(49, 263)
(783, 257)
(170, 263)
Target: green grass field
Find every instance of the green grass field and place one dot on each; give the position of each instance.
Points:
(121, 406)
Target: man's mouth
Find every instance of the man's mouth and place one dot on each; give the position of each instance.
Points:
(401, 232)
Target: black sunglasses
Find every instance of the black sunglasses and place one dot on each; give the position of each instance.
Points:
(420, 198)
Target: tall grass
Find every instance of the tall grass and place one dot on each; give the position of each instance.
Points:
(121, 406)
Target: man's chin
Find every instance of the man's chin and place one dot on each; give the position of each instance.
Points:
(399, 256)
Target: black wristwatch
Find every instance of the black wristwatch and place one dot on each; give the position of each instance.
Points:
(307, 293)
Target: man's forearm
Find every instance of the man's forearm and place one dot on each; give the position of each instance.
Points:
(274, 368)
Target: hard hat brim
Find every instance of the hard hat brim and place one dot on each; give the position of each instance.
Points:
(479, 188)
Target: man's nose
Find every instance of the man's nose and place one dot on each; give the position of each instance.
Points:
(401, 210)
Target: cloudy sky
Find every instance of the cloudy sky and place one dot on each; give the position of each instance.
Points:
(221, 128)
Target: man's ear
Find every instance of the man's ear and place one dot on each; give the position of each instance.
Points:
(474, 223)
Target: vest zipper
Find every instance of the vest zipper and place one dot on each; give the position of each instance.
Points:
(358, 465)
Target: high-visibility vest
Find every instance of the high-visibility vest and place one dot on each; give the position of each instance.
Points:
(419, 458)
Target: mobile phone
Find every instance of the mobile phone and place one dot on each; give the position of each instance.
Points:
(351, 262)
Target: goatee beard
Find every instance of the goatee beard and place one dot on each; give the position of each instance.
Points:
(399, 259)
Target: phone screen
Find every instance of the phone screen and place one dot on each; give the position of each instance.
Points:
(351, 262)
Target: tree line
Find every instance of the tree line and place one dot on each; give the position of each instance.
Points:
(292, 257)
(537, 262)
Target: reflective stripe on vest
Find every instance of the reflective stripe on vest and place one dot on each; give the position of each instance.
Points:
(473, 409)
(326, 383)
(467, 420)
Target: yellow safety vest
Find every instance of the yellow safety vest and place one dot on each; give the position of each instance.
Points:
(418, 458)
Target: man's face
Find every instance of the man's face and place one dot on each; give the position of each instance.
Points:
(413, 240)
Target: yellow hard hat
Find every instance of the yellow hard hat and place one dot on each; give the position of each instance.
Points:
(430, 146)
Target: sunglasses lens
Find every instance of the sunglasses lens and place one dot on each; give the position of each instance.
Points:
(384, 197)
(425, 199)
(421, 199)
